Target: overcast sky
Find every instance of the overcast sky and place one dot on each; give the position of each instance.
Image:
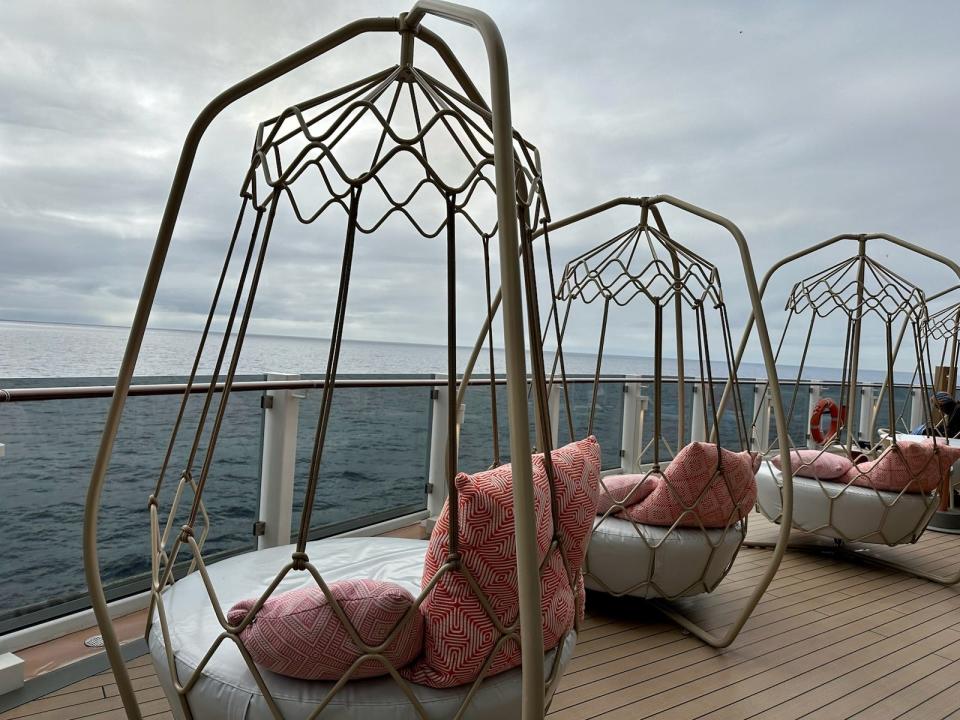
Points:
(798, 121)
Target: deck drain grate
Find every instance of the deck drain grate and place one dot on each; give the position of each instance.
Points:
(94, 641)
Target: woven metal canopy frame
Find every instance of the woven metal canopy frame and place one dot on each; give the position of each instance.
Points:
(499, 121)
(757, 319)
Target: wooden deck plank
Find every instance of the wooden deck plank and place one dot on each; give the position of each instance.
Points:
(811, 620)
(940, 704)
(805, 686)
(830, 639)
(879, 698)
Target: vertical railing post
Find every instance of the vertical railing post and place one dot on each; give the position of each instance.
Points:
(11, 673)
(815, 390)
(437, 471)
(642, 406)
(553, 403)
(918, 409)
(698, 424)
(865, 414)
(760, 441)
(632, 426)
(281, 416)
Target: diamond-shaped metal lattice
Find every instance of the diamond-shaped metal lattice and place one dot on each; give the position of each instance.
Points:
(642, 260)
(838, 288)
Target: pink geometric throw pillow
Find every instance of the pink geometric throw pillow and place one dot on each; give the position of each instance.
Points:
(459, 634)
(576, 479)
(558, 601)
(816, 464)
(914, 467)
(624, 490)
(703, 485)
(297, 633)
(577, 468)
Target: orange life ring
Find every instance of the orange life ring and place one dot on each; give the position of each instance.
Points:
(828, 406)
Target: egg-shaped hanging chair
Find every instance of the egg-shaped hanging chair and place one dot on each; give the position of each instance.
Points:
(856, 482)
(479, 620)
(672, 519)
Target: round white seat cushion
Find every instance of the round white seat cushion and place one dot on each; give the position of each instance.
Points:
(859, 514)
(658, 563)
(227, 690)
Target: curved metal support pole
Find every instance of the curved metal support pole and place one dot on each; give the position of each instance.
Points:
(780, 417)
(91, 562)
(942, 293)
(865, 557)
(757, 316)
(509, 277)
(528, 571)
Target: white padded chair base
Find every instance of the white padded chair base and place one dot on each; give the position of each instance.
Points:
(859, 514)
(227, 690)
(658, 564)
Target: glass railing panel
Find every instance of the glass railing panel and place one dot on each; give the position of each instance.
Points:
(902, 402)
(476, 439)
(608, 419)
(476, 450)
(669, 411)
(375, 458)
(50, 450)
(736, 421)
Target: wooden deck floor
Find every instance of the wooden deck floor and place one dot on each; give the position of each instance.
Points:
(830, 639)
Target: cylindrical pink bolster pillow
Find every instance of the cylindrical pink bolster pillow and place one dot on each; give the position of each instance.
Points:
(624, 490)
(298, 634)
(703, 486)
(913, 467)
(816, 464)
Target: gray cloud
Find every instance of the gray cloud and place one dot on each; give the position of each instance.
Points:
(798, 121)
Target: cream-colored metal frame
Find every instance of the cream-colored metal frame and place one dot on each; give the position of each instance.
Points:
(513, 324)
(757, 318)
(860, 554)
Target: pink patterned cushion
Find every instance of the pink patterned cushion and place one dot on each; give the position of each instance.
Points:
(911, 466)
(460, 635)
(577, 467)
(624, 490)
(459, 632)
(297, 633)
(577, 474)
(558, 603)
(694, 491)
(816, 464)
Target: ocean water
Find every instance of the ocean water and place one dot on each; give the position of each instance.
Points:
(375, 457)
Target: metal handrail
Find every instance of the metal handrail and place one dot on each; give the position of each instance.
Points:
(36, 394)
